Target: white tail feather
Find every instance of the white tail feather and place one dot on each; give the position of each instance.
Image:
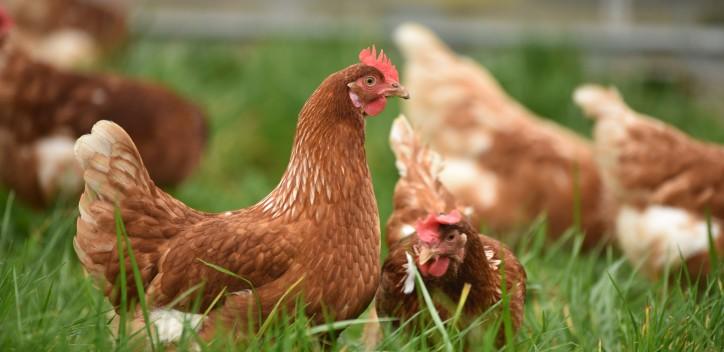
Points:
(409, 151)
(599, 102)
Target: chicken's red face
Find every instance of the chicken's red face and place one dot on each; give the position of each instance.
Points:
(369, 92)
(440, 244)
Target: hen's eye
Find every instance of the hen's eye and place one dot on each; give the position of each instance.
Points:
(450, 237)
(370, 81)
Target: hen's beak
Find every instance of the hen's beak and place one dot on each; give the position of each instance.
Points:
(397, 90)
(425, 254)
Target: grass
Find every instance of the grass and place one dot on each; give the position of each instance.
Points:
(576, 301)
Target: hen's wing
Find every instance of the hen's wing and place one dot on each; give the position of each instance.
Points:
(497, 253)
(418, 191)
(647, 161)
(172, 243)
(665, 181)
(509, 163)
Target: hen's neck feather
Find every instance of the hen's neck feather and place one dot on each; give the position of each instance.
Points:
(328, 162)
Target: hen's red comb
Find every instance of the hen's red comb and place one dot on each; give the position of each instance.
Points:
(6, 22)
(427, 230)
(369, 57)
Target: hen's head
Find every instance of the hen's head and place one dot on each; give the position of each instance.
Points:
(440, 243)
(374, 81)
(6, 22)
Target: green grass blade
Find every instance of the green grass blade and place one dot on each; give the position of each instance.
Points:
(433, 311)
(123, 318)
(273, 312)
(138, 280)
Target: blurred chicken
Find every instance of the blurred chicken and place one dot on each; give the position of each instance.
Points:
(318, 228)
(427, 230)
(665, 181)
(68, 33)
(508, 163)
(44, 109)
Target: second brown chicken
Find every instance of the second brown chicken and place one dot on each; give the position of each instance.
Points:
(427, 231)
(509, 164)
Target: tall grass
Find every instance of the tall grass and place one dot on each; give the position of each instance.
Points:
(576, 300)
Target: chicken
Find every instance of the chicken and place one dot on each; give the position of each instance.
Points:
(68, 33)
(509, 164)
(665, 182)
(320, 225)
(44, 109)
(427, 231)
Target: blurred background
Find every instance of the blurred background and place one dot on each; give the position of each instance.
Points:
(252, 64)
(667, 37)
(666, 55)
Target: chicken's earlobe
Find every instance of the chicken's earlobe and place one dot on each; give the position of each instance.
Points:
(409, 281)
(356, 101)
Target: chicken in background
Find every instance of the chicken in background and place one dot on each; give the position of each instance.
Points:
(68, 33)
(665, 182)
(43, 110)
(428, 231)
(316, 234)
(509, 164)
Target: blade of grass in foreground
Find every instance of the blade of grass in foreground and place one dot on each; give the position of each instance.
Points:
(433, 312)
(136, 276)
(4, 233)
(121, 338)
(235, 275)
(274, 310)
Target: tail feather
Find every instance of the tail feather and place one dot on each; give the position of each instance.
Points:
(419, 43)
(599, 102)
(411, 153)
(115, 178)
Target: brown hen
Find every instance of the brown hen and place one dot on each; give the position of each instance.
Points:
(665, 182)
(506, 162)
(427, 231)
(319, 225)
(44, 109)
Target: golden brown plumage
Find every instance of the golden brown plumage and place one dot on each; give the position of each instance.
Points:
(67, 33)
(664, 181)
(44, 109)
(509, 164)
(473, 258)
(320, 224)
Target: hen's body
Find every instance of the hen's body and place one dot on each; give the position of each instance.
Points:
(509, 164)
(44, 109)
(664, 181)
(320, 224)
(417, 194)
